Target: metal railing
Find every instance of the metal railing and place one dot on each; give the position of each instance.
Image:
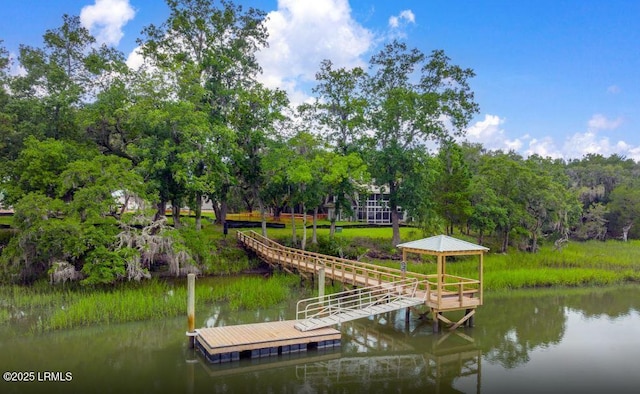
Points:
(357, 299)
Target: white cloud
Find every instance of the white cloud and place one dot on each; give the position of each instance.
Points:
(406, 16)
(135, 59)
(580, 144)
(613, 89)
(15, 68)
(106, 18)
(600, 122)
(302, 34)
(486, 128)
(511, 145)
(491, 135)
(544, 147)
(634, 153)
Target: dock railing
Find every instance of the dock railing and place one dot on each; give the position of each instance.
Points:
(357, 299)
(358, 273)
(344, 270)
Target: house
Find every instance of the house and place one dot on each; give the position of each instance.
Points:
(372, 208)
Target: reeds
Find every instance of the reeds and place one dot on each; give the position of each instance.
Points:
(155, 299)
(593, 263)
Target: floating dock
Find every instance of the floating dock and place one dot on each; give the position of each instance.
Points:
(230, 343)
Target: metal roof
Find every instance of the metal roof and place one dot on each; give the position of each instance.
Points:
(443, 244)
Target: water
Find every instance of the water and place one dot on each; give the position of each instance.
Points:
(549, 341)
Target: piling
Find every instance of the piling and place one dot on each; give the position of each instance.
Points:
(191, 308)
(321, 282)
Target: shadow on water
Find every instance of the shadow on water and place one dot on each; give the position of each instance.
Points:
(527, 341)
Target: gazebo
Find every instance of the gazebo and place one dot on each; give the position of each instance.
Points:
(446, 292)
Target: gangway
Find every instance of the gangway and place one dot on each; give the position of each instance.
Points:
(327, 310)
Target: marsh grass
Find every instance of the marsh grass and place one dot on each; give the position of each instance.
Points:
(156, 299)
(591, 263)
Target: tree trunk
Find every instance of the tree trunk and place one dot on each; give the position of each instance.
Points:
(314, 235)
(263, 217)
(223, 212)
(216, 212)
(175, 214)
(294, 236)
(332, 227)
(534, 242)
(625, 231)
(395, 225)
(505, 241)
(304, 227)
(160, 211)
(198, 211)
(395, 220)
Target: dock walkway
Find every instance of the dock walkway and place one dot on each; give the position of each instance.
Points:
(230, 343)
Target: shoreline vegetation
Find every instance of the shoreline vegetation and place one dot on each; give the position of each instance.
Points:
(47, 308)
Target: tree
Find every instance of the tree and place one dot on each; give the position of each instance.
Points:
(404, 114)
(502, 173)
(593, 223)
(338, 113)
(206, 54)
(59, 77)
(66, 211)
(452, 186)
(343, 177)
(256, 112)
(549, 203)
(624, 209)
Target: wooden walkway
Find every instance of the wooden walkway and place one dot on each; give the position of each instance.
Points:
(455, 292)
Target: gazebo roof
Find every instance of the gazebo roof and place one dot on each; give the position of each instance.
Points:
(443, 244)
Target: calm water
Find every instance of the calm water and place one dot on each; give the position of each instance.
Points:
(558, 341)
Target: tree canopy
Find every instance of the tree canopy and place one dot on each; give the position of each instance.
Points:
(81, 134)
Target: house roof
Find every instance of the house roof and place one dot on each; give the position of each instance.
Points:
(443, 244)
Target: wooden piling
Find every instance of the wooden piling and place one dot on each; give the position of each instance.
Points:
(191, 308)
(321, 275)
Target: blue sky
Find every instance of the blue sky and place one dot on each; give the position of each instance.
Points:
(560, 78)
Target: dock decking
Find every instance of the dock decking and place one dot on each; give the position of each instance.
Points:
(230, 343)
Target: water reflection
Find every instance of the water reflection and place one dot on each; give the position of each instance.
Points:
(532, 341)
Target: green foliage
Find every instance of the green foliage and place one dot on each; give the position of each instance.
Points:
(64, 216)
(103, 266)
(453, 185)
(624, 210)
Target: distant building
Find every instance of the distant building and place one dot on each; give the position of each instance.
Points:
(372, 208)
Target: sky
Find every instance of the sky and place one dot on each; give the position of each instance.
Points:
(558, 78)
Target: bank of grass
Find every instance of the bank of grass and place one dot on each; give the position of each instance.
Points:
(348, 232)
(155, 299)
(592, 263)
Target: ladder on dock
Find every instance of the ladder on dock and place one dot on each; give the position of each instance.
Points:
(324, 311)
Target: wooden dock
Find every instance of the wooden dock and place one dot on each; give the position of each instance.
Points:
(441, 292)
(230, 343)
